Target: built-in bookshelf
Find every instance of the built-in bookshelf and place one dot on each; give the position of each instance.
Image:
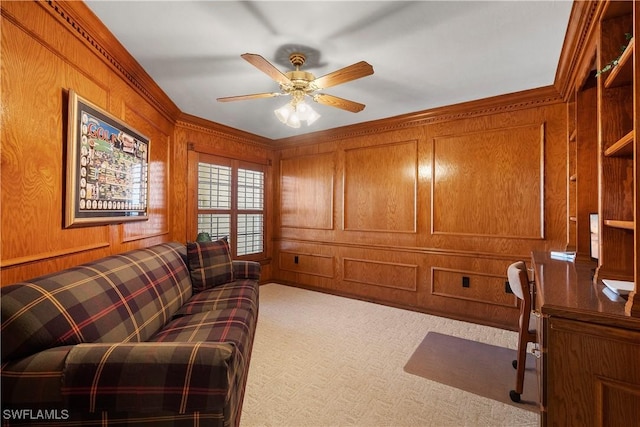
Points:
(617, 143)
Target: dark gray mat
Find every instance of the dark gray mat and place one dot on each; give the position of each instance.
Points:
(476, 367)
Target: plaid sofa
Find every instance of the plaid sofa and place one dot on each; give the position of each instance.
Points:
(155, 336)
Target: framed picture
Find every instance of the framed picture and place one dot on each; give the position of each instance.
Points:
(107, 168)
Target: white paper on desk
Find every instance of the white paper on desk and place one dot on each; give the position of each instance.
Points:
(563, 256)
(612, 295)
(620, 287)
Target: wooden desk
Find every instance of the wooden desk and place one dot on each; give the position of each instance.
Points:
(589, 350)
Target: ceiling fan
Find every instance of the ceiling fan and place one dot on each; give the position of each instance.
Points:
(300, 84)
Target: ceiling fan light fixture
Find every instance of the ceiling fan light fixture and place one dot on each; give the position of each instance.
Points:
(306, 113)
(283, 113)
(293, 121)
(312, 117)
(292, 115)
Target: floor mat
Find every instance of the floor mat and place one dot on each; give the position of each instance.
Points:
(475, 367)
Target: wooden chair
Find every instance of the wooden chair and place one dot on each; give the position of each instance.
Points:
(519, 283)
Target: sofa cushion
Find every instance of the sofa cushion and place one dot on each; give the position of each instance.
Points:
(233, 325)
(209, 264)
(239, 293)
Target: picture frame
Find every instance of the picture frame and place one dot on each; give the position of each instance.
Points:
(107, 177)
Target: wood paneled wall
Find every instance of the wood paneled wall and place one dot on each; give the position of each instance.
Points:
(47, 49)
(41, 60)
(426, 215)
(497, 176)
(303, 182)
(380, 183)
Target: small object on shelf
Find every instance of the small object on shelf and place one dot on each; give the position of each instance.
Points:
(203, 237)
(620, 287)
(563, 255)
(613, 63)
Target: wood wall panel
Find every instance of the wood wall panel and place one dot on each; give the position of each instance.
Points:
(497, 179)
(482, 287)
(306, 186)
(380, 185)
(312, 264)
(376, 273)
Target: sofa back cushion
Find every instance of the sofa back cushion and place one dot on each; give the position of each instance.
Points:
(121, 298)
(209, 264)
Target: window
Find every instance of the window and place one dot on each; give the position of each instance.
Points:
(231, 203)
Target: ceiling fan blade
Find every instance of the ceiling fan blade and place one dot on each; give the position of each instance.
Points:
(343, 75)
(252, 96)
(266, 67)
(334, 101)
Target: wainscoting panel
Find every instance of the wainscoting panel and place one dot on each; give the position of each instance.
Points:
(380, 186)
(387, 274)
(489, 183)
(313, 264)
(472, 286)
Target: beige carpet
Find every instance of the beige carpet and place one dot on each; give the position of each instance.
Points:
(473, 366)
(322, 360)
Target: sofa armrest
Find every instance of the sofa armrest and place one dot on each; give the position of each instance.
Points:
(246, 270)
(180, 377)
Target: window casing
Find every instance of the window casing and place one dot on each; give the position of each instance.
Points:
(231, 202)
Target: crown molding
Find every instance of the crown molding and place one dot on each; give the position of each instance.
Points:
(531, 98)
(188, 121)
(578, 49)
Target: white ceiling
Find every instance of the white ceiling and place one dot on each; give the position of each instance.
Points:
(425, 54)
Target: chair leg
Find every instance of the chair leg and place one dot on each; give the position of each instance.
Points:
(519, 364)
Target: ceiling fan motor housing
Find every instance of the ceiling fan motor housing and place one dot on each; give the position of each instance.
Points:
(300, 79)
